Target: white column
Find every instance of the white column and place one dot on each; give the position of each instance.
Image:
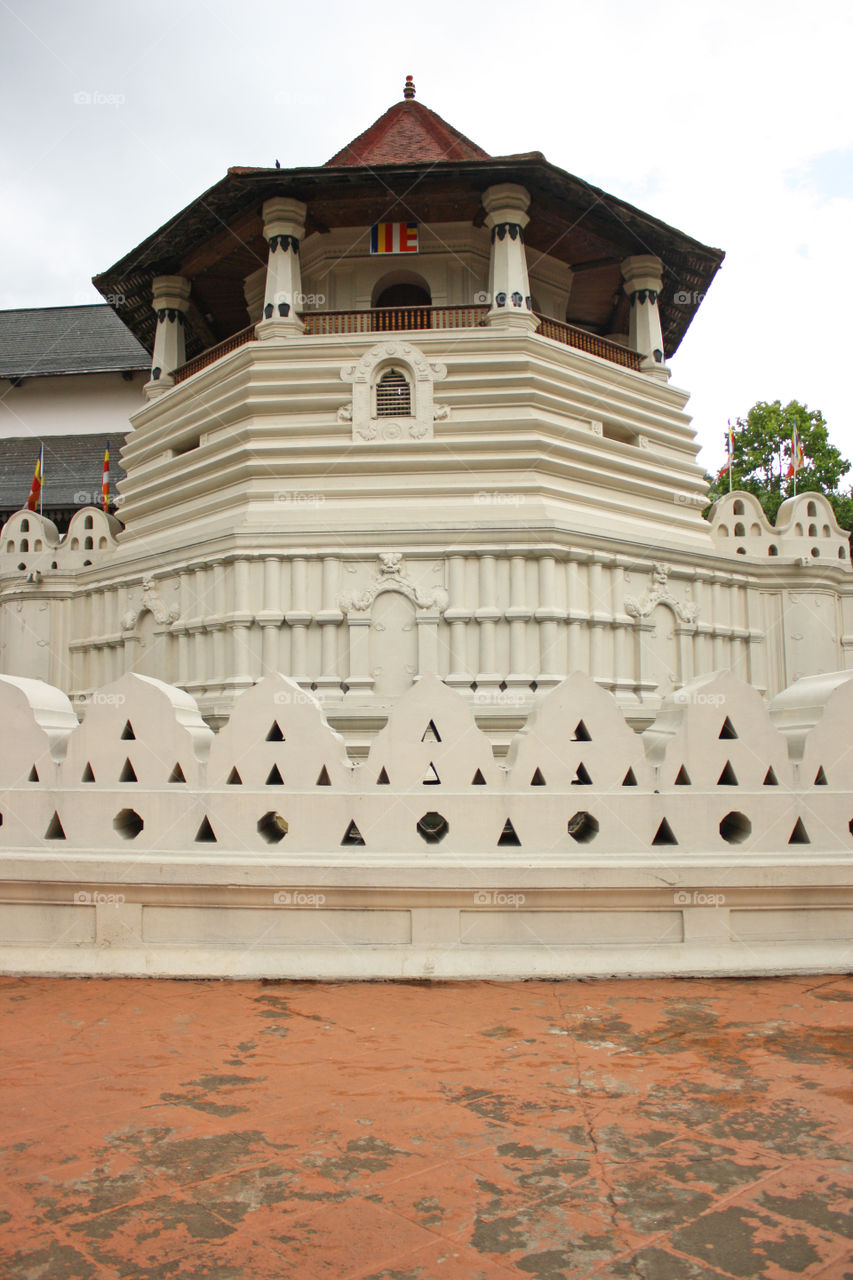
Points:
(330, 618)
(298, 619)
(359, 681)
(284, 228)
(170, 296)
(506, 208)
(518, 616)
(643, 276)
(457, 616)
(548, 616)
(271, 617)
(487, 616)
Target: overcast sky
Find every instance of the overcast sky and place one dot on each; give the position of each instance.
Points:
(731, 121)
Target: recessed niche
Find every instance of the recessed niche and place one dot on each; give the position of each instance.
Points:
(630, 779)
(127, 734)
(735, 828)
(275, 734)
(664, 834)
(478, 780)
(430, 733)
(274, 778)
(234, 779)
(508, 835)
(33, 775)
(205, 833)
(799, 835)
(352, 835)
(177, 774)
(583, 827)
(273, 827)
(538, 779)
(88, 773)
(581, 778)
(433, 827)
(728, 778)
(431, 778)
(682, 778)
(54, 829)
(383, 780)
(128, 773)
(770, 779)
(323, 779)
(128, 824)
(820, 777)
(728, 729)
(581, 733)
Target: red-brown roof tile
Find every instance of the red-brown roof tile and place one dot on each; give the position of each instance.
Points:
(408, 131)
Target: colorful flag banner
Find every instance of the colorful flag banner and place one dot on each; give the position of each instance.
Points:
(394, 237)
(33, 501)
(105, 482)
(797, 450)
(730, 447)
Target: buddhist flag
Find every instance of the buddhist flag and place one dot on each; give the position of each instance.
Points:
(105, 483)
(38, 481)
(730, 440)
(394, 237)
(796, 450)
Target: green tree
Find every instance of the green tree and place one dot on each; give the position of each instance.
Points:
(762, 460)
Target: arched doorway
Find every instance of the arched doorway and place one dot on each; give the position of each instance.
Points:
(401, 300)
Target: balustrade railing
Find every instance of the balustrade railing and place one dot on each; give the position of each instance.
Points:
(418, 319)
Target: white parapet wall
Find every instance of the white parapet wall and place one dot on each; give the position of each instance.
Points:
(136, 841)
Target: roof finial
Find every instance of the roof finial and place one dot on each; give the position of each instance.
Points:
(409, 90)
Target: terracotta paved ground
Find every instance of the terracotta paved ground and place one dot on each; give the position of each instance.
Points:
(634, 1130)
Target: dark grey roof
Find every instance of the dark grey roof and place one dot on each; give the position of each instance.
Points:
(38, 341)
(73, 468)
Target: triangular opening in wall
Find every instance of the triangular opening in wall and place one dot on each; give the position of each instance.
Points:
(127, 734)
(205, 834)
(383, 780)
(728, 778)
(508, 835)
(88, 773)
(538, 779)
(352, 835)
(54, 829)
(682, 778)
(770, 779)
(582, 778)
(820, 777)
(799, 835)
(275, 734)
(274, 778)
(177, 774)
(234, 779)
(34, 775)
(431, 778)
(323, 779)
(581, 733)
(664, 834)
(478, 780)
(630, 779)
(431, 734)
(728, 730)
(128, 773)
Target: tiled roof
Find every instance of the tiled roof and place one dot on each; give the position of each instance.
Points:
(408, 131)
(73, 467)
(38, 341)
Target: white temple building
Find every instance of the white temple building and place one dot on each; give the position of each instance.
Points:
(409, 452)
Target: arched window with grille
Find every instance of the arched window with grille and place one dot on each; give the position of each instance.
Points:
(393, 394)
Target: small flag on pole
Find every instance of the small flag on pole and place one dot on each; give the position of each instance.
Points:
(796, 450)
(105, 483)
(33, 501)
(730, 446)
(394, 237)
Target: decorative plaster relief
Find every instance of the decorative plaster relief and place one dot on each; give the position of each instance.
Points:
(422, 374)
(392, 576)
(150, 600)
(660, 593)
